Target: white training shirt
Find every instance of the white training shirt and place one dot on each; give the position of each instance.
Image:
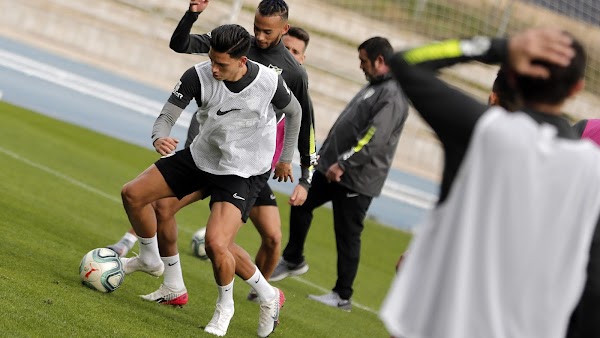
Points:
(506, 254)
(237, 130)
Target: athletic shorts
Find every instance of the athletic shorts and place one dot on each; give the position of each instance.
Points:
(265, 197)
(184, 177)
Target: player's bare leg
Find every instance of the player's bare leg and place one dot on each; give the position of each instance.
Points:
(172, 291)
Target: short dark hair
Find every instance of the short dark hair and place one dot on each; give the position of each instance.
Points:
(300, 34)
(231, 39)
(507, 96)
(273, 7)
(557, 87)
(376, 46)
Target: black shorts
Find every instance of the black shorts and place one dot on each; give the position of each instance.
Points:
(183, 177)
(265, 197)
(258, 183)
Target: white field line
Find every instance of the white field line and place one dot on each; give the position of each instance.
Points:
(149, 107)
(113, 198)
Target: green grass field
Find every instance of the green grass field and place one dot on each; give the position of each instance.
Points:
(59, 198)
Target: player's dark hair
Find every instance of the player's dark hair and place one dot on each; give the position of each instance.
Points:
(231, 39)
(376, 46)
(300, 34)
(557, 87)
(273, 7)
(506, 94)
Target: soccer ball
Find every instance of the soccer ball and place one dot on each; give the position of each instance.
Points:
(198, 247)
(102, 270)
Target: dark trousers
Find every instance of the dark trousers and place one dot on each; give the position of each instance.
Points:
(349, 212)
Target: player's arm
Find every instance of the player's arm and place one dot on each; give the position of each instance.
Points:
(452, 114)
(307, 147)
(450, 52)
(387, 115)
(182, 41)
(289, 105)
(186, 89)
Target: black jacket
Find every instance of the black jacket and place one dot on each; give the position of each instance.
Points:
(364, 138)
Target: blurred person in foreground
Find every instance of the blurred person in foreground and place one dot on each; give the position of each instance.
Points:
(502, 94)
(505, 250)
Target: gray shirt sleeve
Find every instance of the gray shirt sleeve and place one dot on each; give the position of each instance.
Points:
(165, 121)
(293, 118)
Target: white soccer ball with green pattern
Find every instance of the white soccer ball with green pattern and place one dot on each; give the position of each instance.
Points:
(102, 270)
(198, 247)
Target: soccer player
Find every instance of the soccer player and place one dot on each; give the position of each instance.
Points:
(354, 162)
(296, 41)
(504, 252)
(230, 159)
(270, 24)
(267, 48)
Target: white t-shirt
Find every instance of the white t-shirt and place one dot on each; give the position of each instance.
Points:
(237, 130)
(506, 254)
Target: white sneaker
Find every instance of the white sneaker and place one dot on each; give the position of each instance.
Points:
(220, 321)
(166, 296)
(131, 265)
(268, 318)
(334, 300)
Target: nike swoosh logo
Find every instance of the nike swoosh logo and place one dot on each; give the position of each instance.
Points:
(144, 243)
(351, 195)
(227, 289)
(272, 196)
(223, 112)
(238, 197)
(171, 264)
(256, 282)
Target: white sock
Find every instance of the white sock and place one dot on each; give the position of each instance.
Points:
(226, 295)
(149, 251)
(129, 239)
(173, 278)
(263, 289)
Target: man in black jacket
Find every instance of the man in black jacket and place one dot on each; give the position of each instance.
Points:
(354, 162)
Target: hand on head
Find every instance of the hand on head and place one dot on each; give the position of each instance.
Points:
(544, 44)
